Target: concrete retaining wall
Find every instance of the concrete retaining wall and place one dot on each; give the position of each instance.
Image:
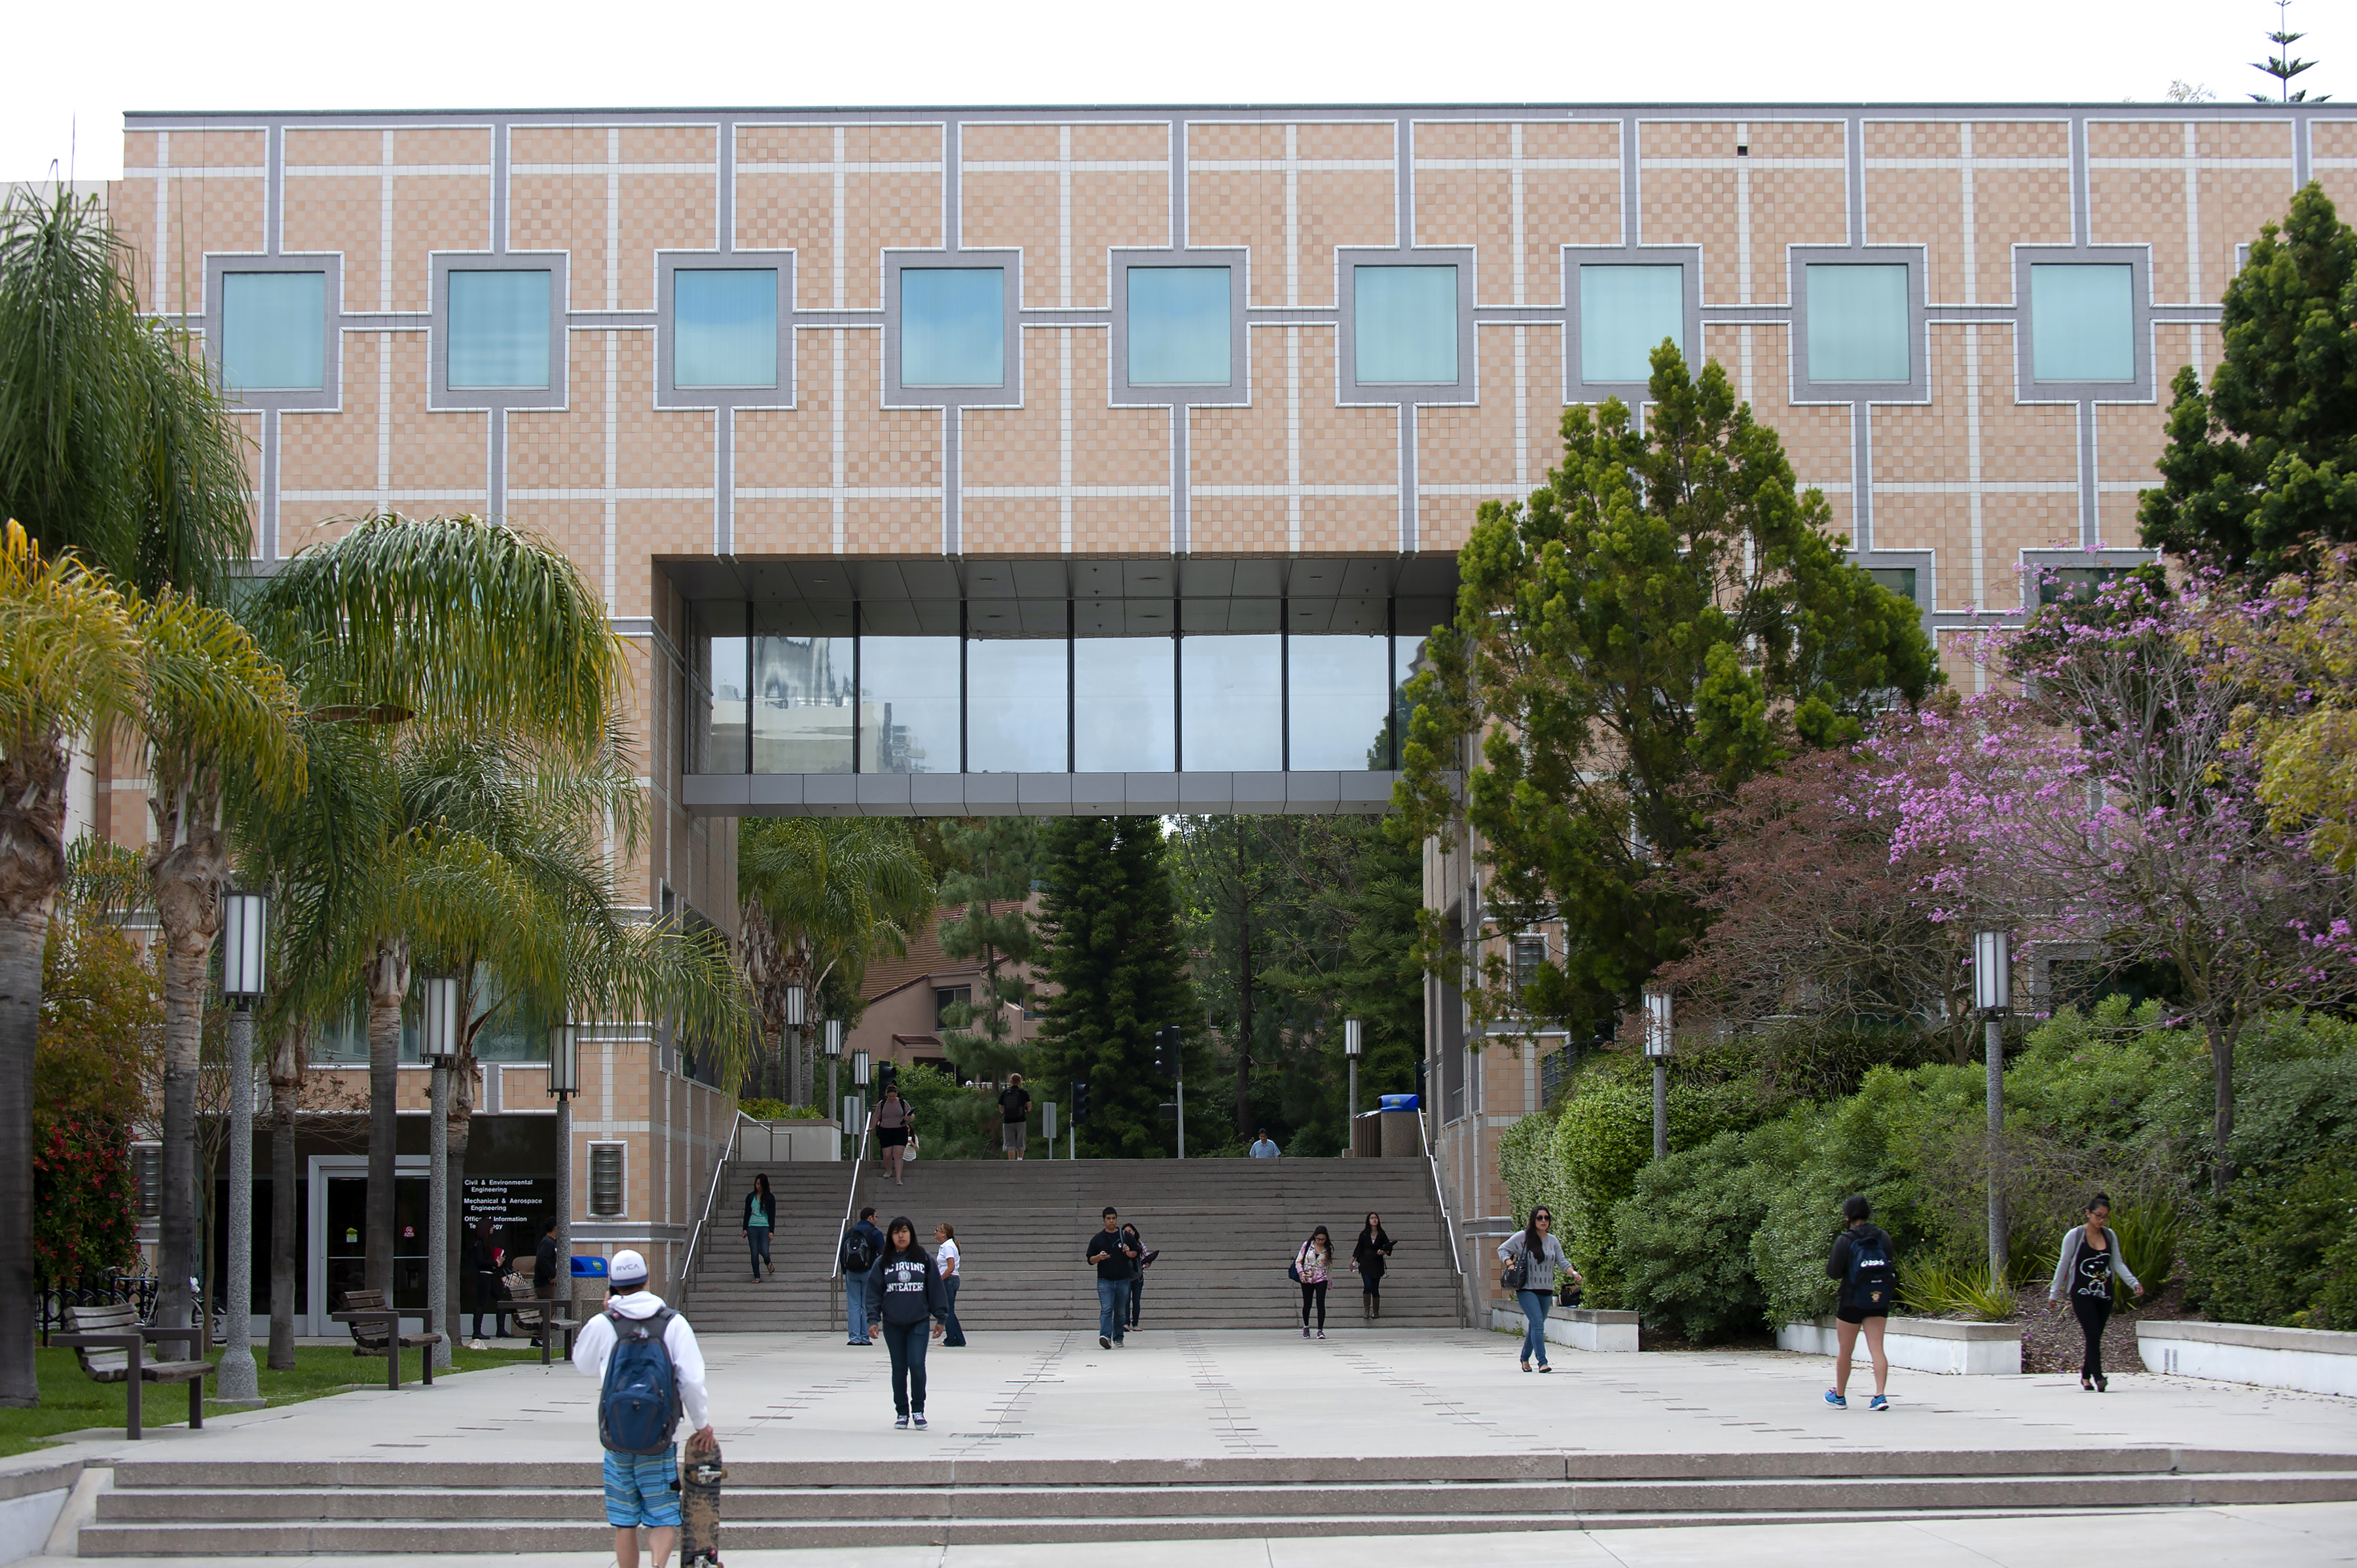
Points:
(33, 1490)
(2312, 1359)
(1576, 1328)
(1922, 1345)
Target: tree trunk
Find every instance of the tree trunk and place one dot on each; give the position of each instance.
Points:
(2221, 1087)
(185, 883)
(284, 1219)
(388, 984)
(25, 929)
(1244, 994)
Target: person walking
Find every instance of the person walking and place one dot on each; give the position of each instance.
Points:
(1313, 1266)
(2090, 1262)
(650, 1373)
(483, 1263)
(1014, 1116)
(895, 1120)
(1532, 1256)
(950, 1259)
(1371, 1255)
(546, 1264)
(1110, 1251)
(862, 1245)
(1138, 1261)
(761, 1223)
(906, 1287)
(1864, 1261)
(1264, 1147)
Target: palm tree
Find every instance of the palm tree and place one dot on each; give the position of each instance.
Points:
(471, 629)
(68, 662)
(114, 439)
(822, 896)
(217, 717)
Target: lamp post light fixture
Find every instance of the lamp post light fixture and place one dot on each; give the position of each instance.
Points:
(1353, 1045)
(1657, 1047)
(245, 919)
(564, 1082)
(1992, 995)
(854, 1104)
(438, 1045)
(797, 1014)
(832, 1036)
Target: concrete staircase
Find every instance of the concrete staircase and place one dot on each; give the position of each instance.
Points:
(202, 1508)
(1225, 1231)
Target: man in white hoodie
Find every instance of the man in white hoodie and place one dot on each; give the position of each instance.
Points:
(643, 1488)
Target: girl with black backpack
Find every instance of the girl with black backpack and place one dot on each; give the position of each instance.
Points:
(1862, 1259)
(904, 1291)
(2089, 1263)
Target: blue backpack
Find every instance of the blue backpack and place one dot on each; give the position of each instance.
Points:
(639, 1409)
(1873, 1282)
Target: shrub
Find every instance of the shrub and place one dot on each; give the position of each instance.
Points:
(2278, 1250)
(761, 1110)
(1933, 1290)
(1681, 1239)
(101, 1025)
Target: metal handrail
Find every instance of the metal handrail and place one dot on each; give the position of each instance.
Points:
(704, 1224)
(858, 1157)
(1447, 1220)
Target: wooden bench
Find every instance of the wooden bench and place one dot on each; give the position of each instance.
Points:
(376, 1331)
(110, 1344)
(541, 1319)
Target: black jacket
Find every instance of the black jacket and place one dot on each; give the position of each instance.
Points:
(906, 1288)
(1371, 1254)
(769, 1206)
(1846, 1247)
(544, 1262)
(479, 1255)
(1103, 1248)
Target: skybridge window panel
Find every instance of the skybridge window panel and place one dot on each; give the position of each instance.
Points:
(1178, 327)
(274, 332)
(1339, 691)
(1231, 692)
(719, 734)
(908, 704)
(1857, 323)
(499, 328)
(725, 327)
(2082, 321)
(1123, 708)
(802, 696)
(1404, 325)
(954, 326)
(1016, 715)
(1624, 314)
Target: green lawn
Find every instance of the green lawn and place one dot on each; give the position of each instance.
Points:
(70, 1401)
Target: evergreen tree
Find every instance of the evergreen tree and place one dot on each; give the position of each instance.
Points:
(1110, 919)
(993, 864)
(2261, 471)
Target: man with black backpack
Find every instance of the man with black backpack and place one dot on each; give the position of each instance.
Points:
(650, 1373)
(862, 1245)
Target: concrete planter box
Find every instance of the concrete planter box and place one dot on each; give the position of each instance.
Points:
(793, 1138)
(1576, 1328)
(1922, 1345)
(2312, 1359)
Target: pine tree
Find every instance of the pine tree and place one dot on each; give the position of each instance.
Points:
(995, 861)
(2283, 66)
(1108, 916)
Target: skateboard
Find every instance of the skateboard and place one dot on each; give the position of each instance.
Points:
(701, 1474)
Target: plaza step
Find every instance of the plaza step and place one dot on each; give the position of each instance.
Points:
(207, 1508)
(1224, 1229)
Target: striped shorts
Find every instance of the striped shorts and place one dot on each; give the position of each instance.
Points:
(642, 1488)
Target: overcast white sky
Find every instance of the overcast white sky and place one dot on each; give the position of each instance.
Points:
(80, 65)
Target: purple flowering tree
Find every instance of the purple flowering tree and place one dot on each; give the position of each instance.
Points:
(2108, 796)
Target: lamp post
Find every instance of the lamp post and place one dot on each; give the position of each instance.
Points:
(832, 1035)
(797, 1003)
(1657, 1047)
(244, 975)
(438, 1045)
(858, 1096)
(564, 1082)
(1353, 1045)
(1993, 994)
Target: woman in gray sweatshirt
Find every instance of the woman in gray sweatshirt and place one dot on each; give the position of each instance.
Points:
(2090, 1262)
(1539, 1255)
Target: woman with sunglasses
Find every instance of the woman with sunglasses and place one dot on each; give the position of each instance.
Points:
(1537, 1254)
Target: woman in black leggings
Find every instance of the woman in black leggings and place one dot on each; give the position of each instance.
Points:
(2090, 1262)
(1313, 1266)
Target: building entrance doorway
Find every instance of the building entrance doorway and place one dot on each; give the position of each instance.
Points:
(338, 1192)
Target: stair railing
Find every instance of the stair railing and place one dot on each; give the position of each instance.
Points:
(1448, 1222)
(704, 1224)
(858, 1158)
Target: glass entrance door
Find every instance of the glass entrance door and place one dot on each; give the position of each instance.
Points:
(346, 1248)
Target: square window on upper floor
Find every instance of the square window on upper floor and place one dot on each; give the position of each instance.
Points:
(1625, 312)
(1857, 322)
(1178, 327)
(2082, 321)
(1899, 580)
(725, 327)
(498, 327)
(1404, 325)
(954, 326)
(274, 332)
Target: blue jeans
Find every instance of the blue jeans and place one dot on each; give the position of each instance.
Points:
(758, 1239)
(1136, 1296)
(1113, 1309)
(854, 1299)
(905, 1342)
(952, 1333)
(1534, 1311)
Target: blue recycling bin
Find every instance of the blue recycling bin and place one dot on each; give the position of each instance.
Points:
(589, 1268)
(1401, 1102)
